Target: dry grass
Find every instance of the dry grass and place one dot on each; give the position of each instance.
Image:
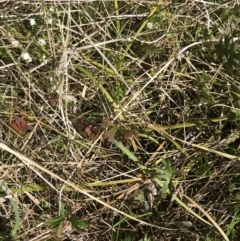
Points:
(167, 70)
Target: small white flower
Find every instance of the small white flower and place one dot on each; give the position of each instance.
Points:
(15, 43)
(71, 98)
(44, 59)
(51, 9)
(26, 57)
(150, 25)
(32, 21)
(41, 42)
(49, 21)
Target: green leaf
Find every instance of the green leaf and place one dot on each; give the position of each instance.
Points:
(166, 175)
(127, 152)
(17, 217)
(145, 239)
(62, 211)
(55, 222)
(169, 168)
(128, 237)
(77, 224)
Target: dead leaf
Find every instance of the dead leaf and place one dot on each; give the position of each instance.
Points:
(106, 122)
(129, 134)
(110, 134)
(20, 126)
(88, 130)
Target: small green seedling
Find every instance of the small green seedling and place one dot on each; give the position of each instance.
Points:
(76, 223)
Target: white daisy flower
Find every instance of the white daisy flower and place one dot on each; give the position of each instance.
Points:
(32, 21)
(51, 9)
(26, 57)
(41, 42)
(150, 25)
